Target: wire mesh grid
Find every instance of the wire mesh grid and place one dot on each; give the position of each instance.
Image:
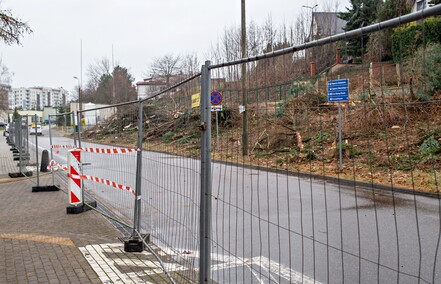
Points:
(171, 176)
(24, 148)
(108, 137)
(303, 190)
(285, 210)
(31, 134)
(61, 140)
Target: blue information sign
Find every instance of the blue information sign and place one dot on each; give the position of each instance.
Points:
(338, 90)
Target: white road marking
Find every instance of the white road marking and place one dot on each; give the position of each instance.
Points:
(270, 268)
(107, 259)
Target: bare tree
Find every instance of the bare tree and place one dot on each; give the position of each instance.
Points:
(254, 39)
(5, 75)
(5, 80)
(190, 64)
(270, 33)
(12, 29)
(166, 66)
(96, 70)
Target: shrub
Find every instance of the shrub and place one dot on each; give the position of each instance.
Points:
(187, 139)
(168, 136)
(321, 137)
(430, 146)
(425, 70)
(348, 150)
(300, 93)
(406, 40)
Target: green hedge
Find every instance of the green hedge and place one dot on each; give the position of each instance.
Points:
(406, 40)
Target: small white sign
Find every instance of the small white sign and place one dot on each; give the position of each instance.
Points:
(241, 109)
(216, 108)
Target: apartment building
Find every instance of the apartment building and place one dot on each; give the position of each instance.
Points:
(36, 98)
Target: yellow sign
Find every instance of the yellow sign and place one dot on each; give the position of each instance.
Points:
(196, 100)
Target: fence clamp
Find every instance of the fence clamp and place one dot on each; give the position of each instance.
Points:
(203, 126)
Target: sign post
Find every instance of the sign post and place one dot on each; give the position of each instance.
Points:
(216, 100)
(338, 91)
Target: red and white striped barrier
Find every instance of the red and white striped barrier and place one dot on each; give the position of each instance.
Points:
(98, 150)
(104, 181)
(63, 146)
(59, 166)
(75, 178)
(110, 183)
(74, 183)
(108, 150)
(58, 147)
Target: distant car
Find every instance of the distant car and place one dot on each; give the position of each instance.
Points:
(2, 123)
(38, 130)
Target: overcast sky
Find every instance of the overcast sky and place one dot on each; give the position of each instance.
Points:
(139, 30)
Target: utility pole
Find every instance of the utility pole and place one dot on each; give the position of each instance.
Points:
(244, 77)
(80, 80)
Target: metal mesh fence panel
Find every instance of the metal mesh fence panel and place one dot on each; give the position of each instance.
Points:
(108, 137)
(30, 137)
(308, 182)
(307, 189)
(22, 146)
(24, 142)
(61, 140)
(11, 133)
(171, 176)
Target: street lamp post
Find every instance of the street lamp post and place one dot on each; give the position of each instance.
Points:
(312, 19)
(79, 93)
(77, 115)
(310, 38)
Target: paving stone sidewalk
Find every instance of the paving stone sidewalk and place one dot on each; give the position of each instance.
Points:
(40, 243)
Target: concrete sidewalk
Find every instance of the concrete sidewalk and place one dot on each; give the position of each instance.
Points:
(40, 243)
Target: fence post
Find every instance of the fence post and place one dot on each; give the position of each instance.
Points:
(78, 129)
(52, 151)
(36, 149)
(139, 170)
(17, 131)
(134, 244)
(205, 211)
(75, 129)
(20, 143)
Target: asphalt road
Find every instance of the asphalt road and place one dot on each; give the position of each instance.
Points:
(275, 228)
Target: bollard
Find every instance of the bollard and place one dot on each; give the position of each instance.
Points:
(44, 161)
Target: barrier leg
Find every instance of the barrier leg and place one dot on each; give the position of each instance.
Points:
(43, 168)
